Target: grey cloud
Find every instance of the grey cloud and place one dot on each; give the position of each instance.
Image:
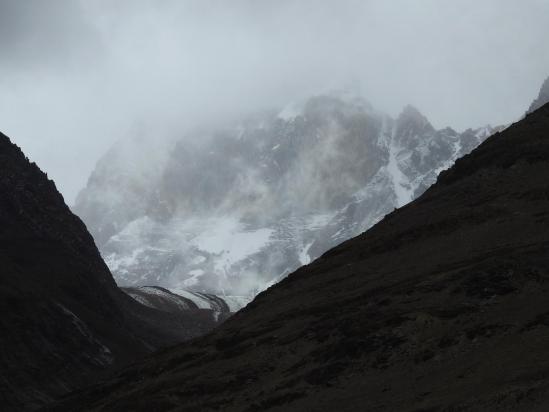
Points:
(75, 76)
(37, 35)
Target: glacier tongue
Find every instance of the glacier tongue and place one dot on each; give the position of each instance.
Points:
(186, 301)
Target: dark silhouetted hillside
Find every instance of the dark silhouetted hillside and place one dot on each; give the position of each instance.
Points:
(63, 321)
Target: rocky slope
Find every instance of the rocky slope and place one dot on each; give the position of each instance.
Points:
(63, 320)
(442, 306)
(255, 201)
(543, 97)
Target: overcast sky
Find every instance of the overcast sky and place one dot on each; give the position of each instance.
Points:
(77, 75)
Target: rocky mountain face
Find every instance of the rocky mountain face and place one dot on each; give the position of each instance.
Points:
(255, 201)
(543, 97)
(442, 306)
(63, 320)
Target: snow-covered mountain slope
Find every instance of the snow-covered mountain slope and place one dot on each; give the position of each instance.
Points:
(542, 99)
(259, 199)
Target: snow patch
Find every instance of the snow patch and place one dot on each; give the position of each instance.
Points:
(235, 303)
(197, 299)
(290, 112)
(401, 184)
(193, 280)
(483, 132)
(228, 238)
(304, 257)
(151, 290)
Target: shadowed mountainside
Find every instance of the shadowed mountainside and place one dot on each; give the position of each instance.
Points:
(444, 305)
(63, 321)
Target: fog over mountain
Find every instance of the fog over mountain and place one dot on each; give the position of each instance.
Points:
(77, 76)
(274, 205)
(262, 196)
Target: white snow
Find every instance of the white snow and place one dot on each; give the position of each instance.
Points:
(456, 151)
(319, 220)
(199, 300)
(228, 238)
(118, 263)
(236, 303)
(483, 132)
(401, 184)
(304, 257)
(141, 300)
(193, 280)
(168, 296)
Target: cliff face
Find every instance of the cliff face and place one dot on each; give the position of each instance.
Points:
(542, 99)
(63, 320)
(441, 306)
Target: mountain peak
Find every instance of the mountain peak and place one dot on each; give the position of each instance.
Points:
(412, 112)
(542, 98)
(412, 120)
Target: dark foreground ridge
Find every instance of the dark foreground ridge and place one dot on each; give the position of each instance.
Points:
(63, 321)
(444, 305)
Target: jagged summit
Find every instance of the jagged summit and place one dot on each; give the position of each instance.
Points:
(411, 122)
(279, 190)
(410, 112)
(542, 98)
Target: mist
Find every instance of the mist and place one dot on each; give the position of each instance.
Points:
(77, 76)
